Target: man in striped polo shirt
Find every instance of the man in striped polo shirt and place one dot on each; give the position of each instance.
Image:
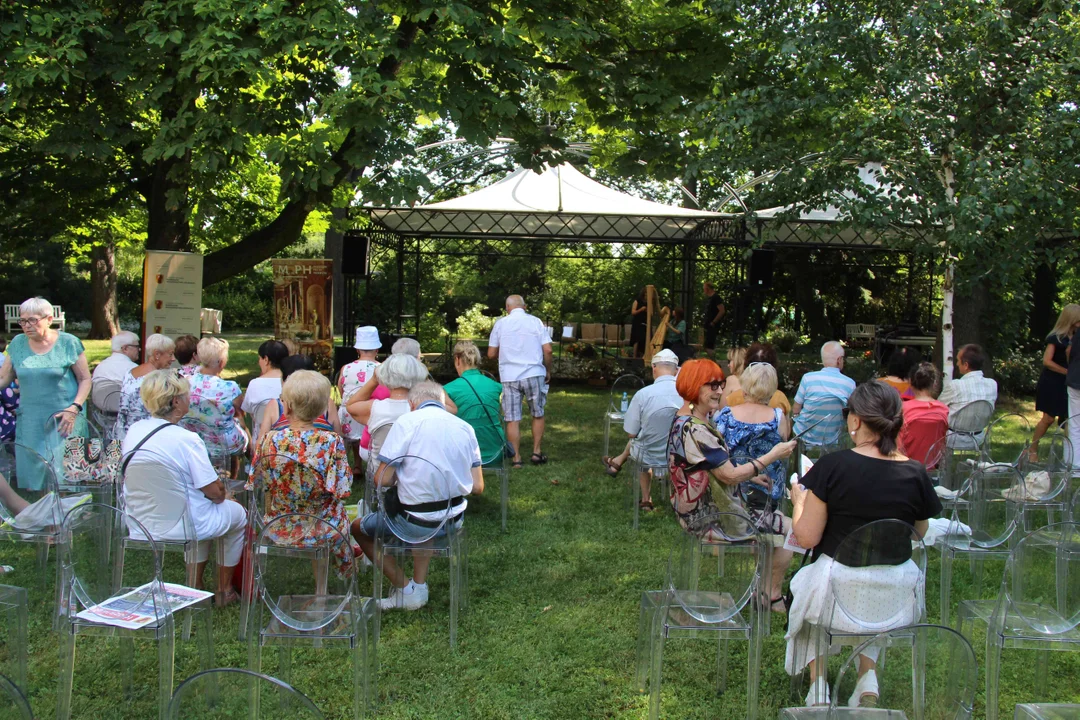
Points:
(823, 394)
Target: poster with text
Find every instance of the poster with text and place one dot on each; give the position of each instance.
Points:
(172, 293)
(303, 304)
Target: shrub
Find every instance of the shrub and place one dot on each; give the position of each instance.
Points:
(474, 324)
(1017, 373)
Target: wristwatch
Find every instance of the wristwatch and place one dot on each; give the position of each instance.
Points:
(76, 405)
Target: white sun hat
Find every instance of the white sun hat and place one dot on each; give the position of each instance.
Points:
(367, 338)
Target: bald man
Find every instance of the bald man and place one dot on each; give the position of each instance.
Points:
(522, 345)
(822, 396)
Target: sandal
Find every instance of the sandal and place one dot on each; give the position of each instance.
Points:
(538, 459)
(782, 609)
(517, 464)
(226, 598)
(612, 468)
(646, 506)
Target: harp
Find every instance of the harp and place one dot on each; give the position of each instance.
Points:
(656, 323)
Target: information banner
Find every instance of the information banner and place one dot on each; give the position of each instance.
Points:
(172, 293)
(303, 304)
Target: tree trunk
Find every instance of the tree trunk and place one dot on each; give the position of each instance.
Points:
(105, 317)
(167, 207)
(1044, 292)
(949, 292)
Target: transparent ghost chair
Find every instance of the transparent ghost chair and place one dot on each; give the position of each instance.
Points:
(273, 476)
(648, 454)
(1037, 608)
(967, 426)
(257, 415)
(443, 536)
(305, 590)
(876, 582)
(371, 496)
(234, 693)
(154, 496)
(88, 582)
(31, 509)
(1007, 439)
(1046, 711)
(497, 463)
(1046, 482)
(626, 385)
(13, 703)
(14, 610)
(836, 439)
(713, 589)
(938, 683)
(981, 528)
(84, 461)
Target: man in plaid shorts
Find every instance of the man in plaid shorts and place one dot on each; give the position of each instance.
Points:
(523, 346)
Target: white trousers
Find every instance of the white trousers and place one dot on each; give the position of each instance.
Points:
(1074, 426)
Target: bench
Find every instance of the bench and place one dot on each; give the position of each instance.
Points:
(11, 317)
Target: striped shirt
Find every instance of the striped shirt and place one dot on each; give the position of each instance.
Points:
(822, 394)
(960, 393)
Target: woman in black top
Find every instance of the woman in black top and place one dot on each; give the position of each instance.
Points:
(843, 492)
(638, 320)
(1051, 395)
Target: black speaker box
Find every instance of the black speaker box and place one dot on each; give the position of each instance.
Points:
(354, 254)
(761, 269)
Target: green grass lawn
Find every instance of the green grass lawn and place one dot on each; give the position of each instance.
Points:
(552, 626)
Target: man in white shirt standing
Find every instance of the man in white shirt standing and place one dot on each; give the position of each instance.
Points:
(521, 343)
(109, 375)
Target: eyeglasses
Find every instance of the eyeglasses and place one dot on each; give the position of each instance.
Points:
(125, 347)
(716, 385)
(25, 322)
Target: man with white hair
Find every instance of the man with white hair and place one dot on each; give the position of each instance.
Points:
(109, 375)
(522, 345)
(406, 346)
(444, 442)
(648, 422)
(822, 397)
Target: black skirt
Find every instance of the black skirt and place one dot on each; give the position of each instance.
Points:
(1052, 395)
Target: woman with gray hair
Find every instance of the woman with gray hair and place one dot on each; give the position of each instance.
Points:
(216, 402)
(157, 438)
(159, 355)
(400, 373)
(54, 381)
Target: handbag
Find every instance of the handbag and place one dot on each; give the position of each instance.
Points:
(508, 449)
(90, 460)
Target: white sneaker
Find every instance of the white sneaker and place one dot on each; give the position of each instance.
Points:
(866, 691)
(410, 597)
(819, 693)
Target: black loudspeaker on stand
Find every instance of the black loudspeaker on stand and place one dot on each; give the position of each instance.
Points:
(761, 269)
(354, 254)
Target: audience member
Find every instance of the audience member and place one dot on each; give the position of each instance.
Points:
(109, 374)
(267, 386)
(1052, 390)
(648, 438)
(1072, 380)
(292, 346)
(406, 346)
(522, 345)
(477, 399)
(822, 397)
(675, 338)
(926, 421)
(355, 375)
(842, 492)
(158, 438)
(736, 358)
(448, 443)
(970, 387)
(275, 421)
(54, 381)
(187, 347)
(159, 355)
(215, 402)
(400, 373)
(9, 408)
(698, 453)
(304, 439)
(902, 360)
(762, 353)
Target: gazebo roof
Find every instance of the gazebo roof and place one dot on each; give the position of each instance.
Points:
(560, 203)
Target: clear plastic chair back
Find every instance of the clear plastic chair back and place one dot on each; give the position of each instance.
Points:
(1007, 439)
(417, 467)
(377, 439)
(232, 693)
(893, 549)
(628, 384)
(972, 418)
(257, 415)
(305, 568)
(991, 518)
(931, 674)
(274, 475)
(1055, 459)
(1042, 582)
(105, 396)
(757, 496)
(13, 704)
(154, 495)
(22, 468)
(933, 460)
(651, 443)
(711, 585)
(88, 560)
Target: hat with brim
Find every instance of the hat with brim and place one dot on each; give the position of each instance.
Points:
(367, 338)
(665, 356)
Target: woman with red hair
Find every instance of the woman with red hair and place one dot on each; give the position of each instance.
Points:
(698, 453)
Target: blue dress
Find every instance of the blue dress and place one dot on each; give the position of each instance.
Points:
(752, 440)
(47, 385)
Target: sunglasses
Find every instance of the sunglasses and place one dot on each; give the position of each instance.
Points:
(716, 384)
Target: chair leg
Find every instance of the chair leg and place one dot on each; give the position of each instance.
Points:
(1042, 671)
(635, 482)
(656, 665)
(946, 584)
(165, 670)
(753, 674)
(206, 628)
(993, 673)
(455, 587)
(127, 665)
(721, 664)
(66, 674)
(646, 619)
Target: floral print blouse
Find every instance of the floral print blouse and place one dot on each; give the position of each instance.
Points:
(212, 414)
(132, 409)
(304, 471)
